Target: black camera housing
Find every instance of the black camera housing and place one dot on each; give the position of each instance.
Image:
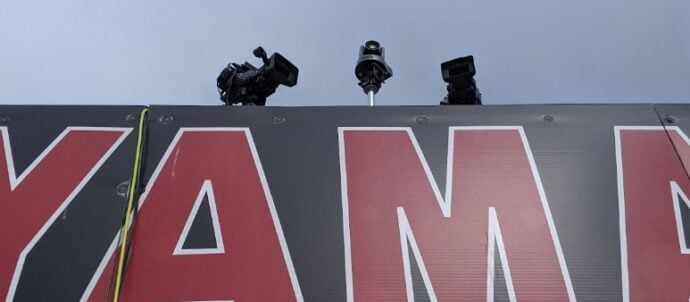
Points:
(458, 70)
(462, 89)
(371, 69)
(247, 85)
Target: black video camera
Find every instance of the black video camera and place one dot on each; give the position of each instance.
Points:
(462, 89)
(247, 85)
(371, 69)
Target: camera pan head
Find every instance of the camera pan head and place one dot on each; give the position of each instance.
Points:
(372, 57)
(371, 69)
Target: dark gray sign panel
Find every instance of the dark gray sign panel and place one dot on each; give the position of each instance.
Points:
(573, 146)
(502, 203)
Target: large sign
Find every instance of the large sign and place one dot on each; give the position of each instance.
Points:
(452, 203)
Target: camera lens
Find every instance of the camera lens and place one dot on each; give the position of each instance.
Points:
(372, 45)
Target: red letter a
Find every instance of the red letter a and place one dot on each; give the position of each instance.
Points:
(249, 261)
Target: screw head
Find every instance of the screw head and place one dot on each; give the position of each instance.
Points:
(166, 119)
(669, 119)
(122, 189)
(277, 120)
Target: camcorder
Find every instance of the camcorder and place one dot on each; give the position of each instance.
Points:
(247, 85)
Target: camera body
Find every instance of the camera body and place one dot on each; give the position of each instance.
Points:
(247, 85)
(371, 69)
(462, 88)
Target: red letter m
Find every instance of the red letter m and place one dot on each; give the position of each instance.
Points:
(653, 187)
(494, 202)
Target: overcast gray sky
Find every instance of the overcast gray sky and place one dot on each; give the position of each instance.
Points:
(170, 52)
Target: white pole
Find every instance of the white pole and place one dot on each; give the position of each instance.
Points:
(371, 98)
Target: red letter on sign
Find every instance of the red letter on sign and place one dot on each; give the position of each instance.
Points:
(652, 189)
(249, 261)
(494, 202)
(31, 201)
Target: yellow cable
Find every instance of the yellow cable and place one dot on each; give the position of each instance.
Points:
(130, 201)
